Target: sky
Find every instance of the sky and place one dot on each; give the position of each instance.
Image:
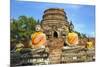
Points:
(82, 16)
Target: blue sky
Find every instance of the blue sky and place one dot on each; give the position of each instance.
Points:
(82, 16)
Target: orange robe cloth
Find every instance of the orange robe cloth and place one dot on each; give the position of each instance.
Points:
(72, 39)
(38, 39)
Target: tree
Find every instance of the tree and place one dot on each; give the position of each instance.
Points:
(21, 29)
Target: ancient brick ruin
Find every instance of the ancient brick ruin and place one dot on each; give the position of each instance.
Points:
(55, 23)
(55, 26)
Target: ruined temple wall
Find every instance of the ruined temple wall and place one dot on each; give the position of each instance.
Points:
(54, 14)
(55, 20)
(55, 26)
(54, 10)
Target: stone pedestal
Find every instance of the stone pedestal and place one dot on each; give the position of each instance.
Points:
(77, 54)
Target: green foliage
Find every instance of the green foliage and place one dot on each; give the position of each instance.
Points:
(81, 35)
(22, 28)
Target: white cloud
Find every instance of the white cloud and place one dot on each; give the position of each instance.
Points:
(82, 29)
(79, 27)
(92, 34)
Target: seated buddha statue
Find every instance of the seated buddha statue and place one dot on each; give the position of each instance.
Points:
(71, 37)
(38, 38)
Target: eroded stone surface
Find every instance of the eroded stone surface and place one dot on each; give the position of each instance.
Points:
(55, 49)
